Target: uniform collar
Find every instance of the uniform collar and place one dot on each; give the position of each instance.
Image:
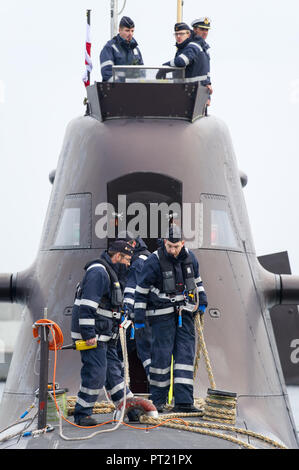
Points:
(184, 43)
(128, 45)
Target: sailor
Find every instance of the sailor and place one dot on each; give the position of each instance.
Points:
(189, 55)
(95, 319)
(201, 29)
(162, 295)
(142, 336)
(120, 50)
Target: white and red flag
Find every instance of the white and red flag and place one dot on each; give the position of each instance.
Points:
(88, 62)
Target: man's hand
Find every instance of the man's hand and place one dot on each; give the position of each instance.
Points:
(201, 309)
(161, 75)
(210, 89)
(91, 341)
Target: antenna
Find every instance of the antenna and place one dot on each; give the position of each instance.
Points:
(114, 16)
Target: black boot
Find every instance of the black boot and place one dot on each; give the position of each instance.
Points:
(85, 421)
(185, 408)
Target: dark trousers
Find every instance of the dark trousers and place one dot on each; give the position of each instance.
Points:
(169, 339)
(100, 367)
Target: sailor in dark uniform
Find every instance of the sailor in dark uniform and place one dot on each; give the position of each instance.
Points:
(142, 339)
(162, 295)
(189, 55)
(120, 50)
(95, 318)
(201, 27)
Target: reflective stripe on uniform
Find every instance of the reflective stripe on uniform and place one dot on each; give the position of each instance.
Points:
(103, 338)
(159, 311)
(140, 305)
(197, 45)
(146, 363)
(108, 313)
(85, 404)
(185, 58)
(89, 303)
(161, 295)
(154, 370)
(96, 265)
(196, 79)
(89, 391)
(181, 380)
(184, 367)
(86, 321)
(200, 289)
(115, 48)
(115, 389)
(129, 290)
(107, 62)
(142, 290)
(160, 384)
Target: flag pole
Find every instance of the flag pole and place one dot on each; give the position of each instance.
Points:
(88, 22)
(180, 4)
(114, 17)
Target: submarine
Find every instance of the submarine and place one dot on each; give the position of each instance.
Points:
(146, 143)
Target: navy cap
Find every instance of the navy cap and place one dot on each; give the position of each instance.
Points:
(174, 234)
(121, 246)
(126, 22)
(181, 26)
(203, 22)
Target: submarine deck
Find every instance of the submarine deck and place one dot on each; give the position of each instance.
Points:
(136, 436)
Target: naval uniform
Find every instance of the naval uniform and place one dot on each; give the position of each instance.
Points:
(96, 313)
(117, 51)
(191, 55)
(142, 339)
(170, 336)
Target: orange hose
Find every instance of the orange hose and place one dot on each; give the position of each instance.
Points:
(57, 337)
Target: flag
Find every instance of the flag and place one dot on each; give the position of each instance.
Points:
(88, 63)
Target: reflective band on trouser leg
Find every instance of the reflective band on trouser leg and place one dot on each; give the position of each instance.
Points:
(163, 334)
(93, 375)
(114, 379)
(183, 355)
(143, 346)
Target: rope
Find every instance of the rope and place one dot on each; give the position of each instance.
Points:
(193, 426)
(203, 348)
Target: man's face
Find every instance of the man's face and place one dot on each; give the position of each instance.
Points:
(125, 259)
(181, 36)
(126, 33)
(174, 249)
(121, 258)
(202, 32)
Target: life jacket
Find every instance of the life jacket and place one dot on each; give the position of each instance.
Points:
(116, 298)
(171, 285)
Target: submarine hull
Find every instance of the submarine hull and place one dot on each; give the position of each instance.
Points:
(192, 164)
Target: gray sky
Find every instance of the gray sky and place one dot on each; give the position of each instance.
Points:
(255, 74)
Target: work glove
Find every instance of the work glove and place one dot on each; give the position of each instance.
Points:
(201, 309)
(139, 331)
(161, 74)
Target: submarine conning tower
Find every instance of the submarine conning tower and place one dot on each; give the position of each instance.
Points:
(134, 93)
(149, 140)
